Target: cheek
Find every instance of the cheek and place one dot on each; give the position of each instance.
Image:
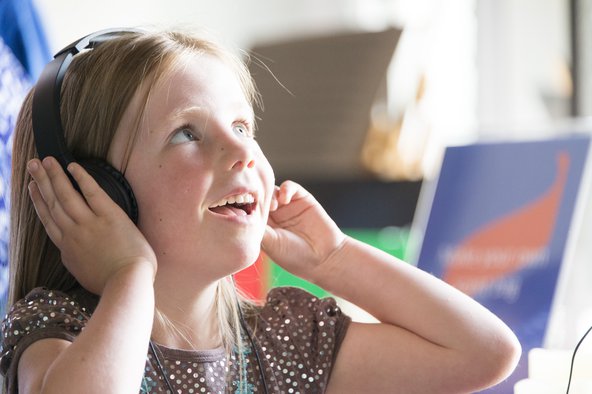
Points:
(268, 177)
(265, 168)
(161, 189)
(169, 209)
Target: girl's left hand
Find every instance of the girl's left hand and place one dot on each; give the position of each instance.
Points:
(300, 235)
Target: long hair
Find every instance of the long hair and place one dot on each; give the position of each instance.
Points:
(96, 91)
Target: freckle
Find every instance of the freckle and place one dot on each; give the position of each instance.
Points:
(222, 148)
(160, 166)
(160, 219)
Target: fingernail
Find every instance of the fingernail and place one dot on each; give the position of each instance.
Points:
(32, 166)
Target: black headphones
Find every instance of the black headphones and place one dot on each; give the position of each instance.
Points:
(48, 130)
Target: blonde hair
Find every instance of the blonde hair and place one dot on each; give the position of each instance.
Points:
(96, 91)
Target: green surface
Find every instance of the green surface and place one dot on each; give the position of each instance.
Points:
(392, 240)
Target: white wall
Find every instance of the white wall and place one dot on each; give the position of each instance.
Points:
(239, 22)
(493, 68)
(523, 61)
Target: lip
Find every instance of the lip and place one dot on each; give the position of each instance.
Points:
(234, 193)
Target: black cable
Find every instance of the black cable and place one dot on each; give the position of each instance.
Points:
(573, 357)
(253, 345)
(251, 340)
(161, 368)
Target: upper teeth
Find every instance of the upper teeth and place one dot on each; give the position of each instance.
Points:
(245, 198)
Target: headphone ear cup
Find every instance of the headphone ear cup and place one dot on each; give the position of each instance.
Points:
(114, 184)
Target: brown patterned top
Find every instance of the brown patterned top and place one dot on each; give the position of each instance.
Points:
(296, 341)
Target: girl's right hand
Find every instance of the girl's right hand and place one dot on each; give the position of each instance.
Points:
(95, 236)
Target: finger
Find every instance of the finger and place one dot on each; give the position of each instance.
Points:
(69, 198)
(271, 222)
(44, 183)
(274, 202)
(52, 230)
(269, 235)
(270, 238)
(288, 191)
(98, 200)
(284, 195)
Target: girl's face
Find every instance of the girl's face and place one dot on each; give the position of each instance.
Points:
(202, 184)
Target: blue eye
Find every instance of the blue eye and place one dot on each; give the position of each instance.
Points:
(184, 134)
(242, 129)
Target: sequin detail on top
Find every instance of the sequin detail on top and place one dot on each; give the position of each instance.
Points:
(41, 314)
(297, 337)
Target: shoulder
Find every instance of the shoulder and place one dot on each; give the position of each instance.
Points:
(293, 301)
(304, 313)
(312, 317)
(41, 314)
(303, 333)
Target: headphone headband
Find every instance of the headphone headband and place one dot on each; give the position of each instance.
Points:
(47, 121)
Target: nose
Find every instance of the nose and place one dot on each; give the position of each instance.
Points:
(237, 153)
(245, 163)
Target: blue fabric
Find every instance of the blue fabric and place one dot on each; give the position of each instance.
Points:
(14, 83)
(21, 30)
(23, 54)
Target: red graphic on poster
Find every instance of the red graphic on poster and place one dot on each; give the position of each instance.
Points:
(511, 243)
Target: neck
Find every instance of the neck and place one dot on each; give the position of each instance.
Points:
(186, 317)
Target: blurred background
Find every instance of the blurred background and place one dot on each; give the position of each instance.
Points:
(361, 97)
(460, 71)
(482, 68)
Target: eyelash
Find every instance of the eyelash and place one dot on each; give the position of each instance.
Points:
(247, 124)
(182, 129)
(250, 133)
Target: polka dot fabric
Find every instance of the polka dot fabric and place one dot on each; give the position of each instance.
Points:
(297, 337)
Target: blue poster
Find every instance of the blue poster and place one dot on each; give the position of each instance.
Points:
(498, 226)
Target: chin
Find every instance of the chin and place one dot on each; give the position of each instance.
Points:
(242, 255)
(249, 258)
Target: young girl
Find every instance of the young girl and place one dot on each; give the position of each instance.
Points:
(101, 305)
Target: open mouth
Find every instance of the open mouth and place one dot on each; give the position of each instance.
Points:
(238, 205)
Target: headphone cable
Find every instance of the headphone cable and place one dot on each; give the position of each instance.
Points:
(573, 357)
(251, 339)
(161, 368)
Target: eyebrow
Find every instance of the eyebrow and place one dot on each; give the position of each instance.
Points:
(198, 110)
(179, 114)
(194, 110)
